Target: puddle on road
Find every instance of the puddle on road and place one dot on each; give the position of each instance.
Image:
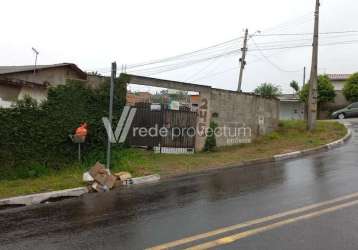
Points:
(8, 206)
(56, 199)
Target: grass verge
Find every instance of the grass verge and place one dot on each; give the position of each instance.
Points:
(290, 136)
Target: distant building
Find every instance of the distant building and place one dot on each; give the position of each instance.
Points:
(291, 108)
(338, 81)
(138, 97)
(195, 101)
(18, 81)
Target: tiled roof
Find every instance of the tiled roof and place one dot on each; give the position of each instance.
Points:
(26, 68)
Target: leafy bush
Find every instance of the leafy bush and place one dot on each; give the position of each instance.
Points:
(210, 142)
(350, 89)
(325, 90)
(35, 134)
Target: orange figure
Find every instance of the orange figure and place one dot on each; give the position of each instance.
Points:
(81, 132)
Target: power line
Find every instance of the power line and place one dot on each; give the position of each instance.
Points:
(296, 21)
(211, 63)
(194, 52)
(171, 67)
(306, 34)
(182, 55)
(308, 45)
(269, 61)
(235, 68)
(191, 61)
(296, 41)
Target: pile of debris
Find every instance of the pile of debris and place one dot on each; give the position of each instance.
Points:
(101, 180)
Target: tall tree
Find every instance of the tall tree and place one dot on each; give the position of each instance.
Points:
(325, 91)
(267, 90)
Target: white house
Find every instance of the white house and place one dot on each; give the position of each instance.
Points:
(19, 81)
(338, 81)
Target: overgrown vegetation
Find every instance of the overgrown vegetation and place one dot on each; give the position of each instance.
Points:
(35, 137)
(325, 90)
(290, 136)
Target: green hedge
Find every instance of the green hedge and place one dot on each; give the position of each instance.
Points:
(34, 135)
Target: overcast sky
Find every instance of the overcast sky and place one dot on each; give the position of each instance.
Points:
(92, 34)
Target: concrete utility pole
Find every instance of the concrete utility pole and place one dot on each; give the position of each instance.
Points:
(110, 115)
(312, 97)
(242, 60)
(304, 76)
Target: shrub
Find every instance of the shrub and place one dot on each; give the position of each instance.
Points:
(210, 142)
(325, 90)
(350, 89)
(35, 134)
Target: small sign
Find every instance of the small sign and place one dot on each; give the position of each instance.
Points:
(174, 105)
(155, 107)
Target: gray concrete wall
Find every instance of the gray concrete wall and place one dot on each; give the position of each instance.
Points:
(242, 116)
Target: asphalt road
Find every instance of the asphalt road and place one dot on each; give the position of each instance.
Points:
(307, 203)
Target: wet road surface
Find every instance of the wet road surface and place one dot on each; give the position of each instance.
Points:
(323, 187)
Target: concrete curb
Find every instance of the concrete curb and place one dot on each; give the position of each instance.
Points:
(275, 158)
(305, 152)
(41, 197)
(143, 179)
(38, 198)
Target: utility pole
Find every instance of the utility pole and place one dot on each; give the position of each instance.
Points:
(110, 115)
(312, 96)
(242, 60)
(304, 76)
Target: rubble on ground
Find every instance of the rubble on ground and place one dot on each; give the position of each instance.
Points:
(99, 179)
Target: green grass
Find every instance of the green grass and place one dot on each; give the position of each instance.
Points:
(290, 136)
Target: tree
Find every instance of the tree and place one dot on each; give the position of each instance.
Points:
(295, 86)
(350, 89)
(268, 90)
(325, 90)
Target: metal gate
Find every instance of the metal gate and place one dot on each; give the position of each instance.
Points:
(163, 128)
